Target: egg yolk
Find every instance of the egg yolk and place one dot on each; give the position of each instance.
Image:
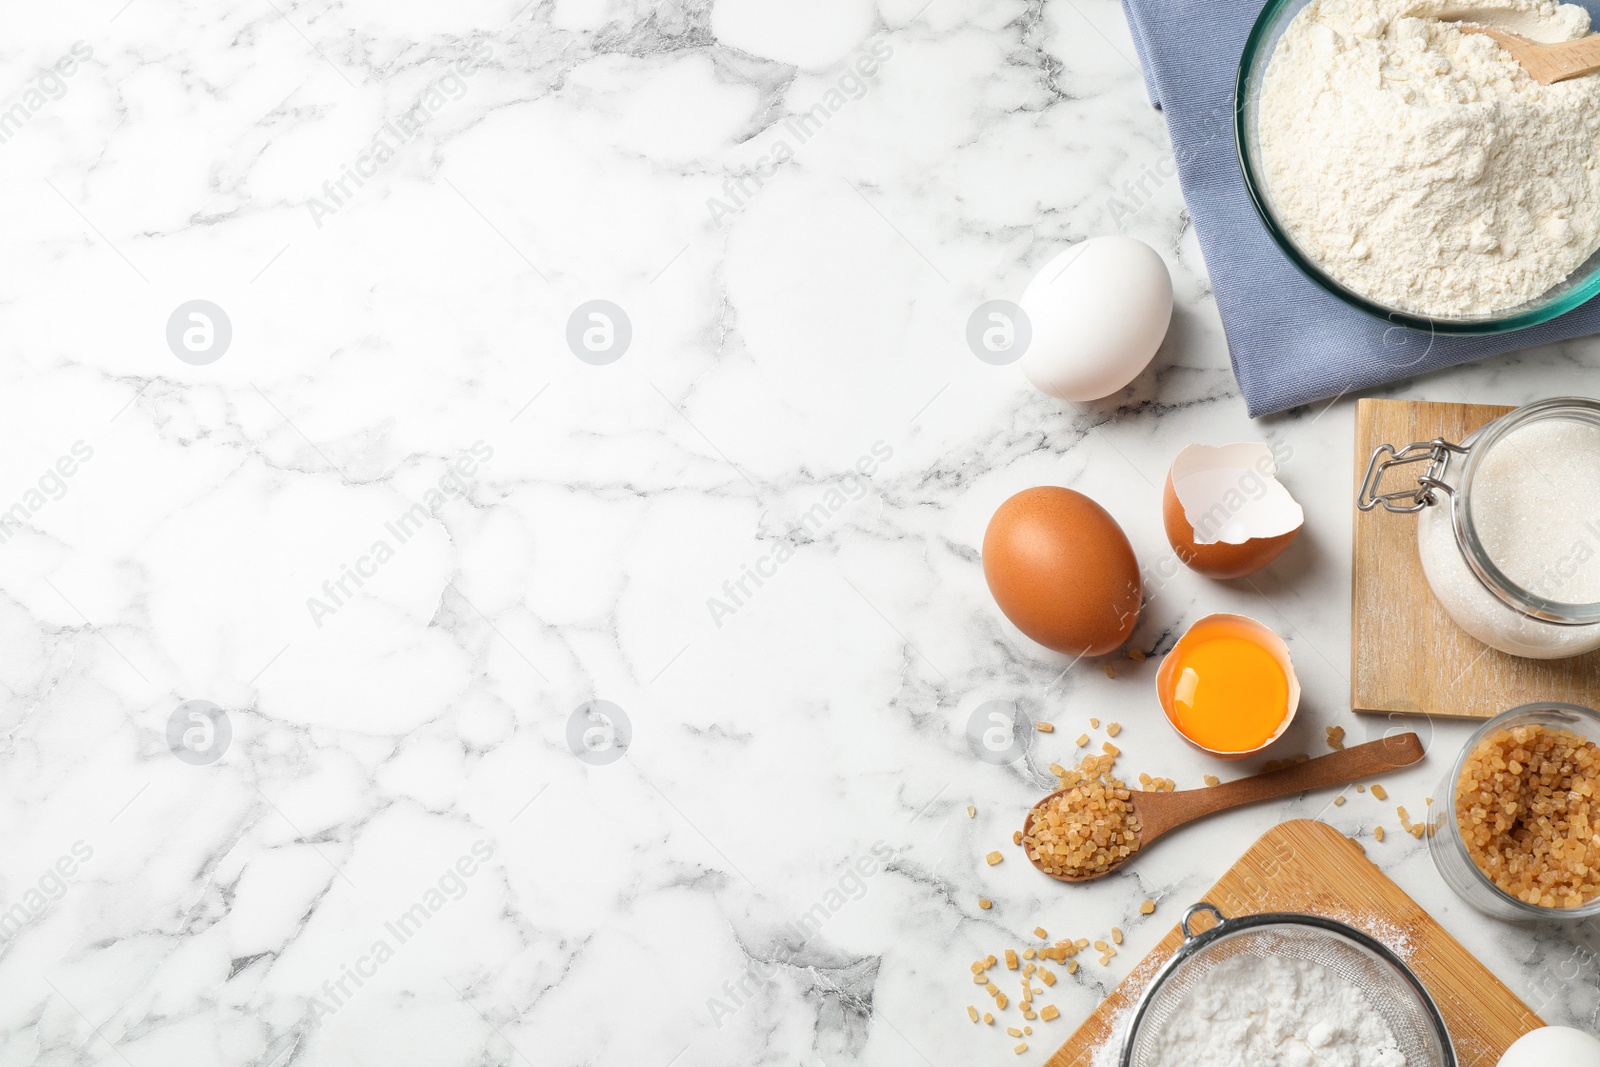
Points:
(1230, 693)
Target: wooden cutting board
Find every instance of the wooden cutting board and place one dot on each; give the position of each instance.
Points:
(1407, 657)
(1308, 866)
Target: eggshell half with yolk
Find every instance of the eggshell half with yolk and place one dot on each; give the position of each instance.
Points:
(1228, 686)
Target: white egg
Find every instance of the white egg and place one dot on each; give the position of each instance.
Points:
(1553, 1046)
(1097, 312)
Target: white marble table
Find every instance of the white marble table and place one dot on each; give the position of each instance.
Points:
(395, 534)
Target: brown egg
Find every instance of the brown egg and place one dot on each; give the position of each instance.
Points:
(1246, 517)
(1063, 571)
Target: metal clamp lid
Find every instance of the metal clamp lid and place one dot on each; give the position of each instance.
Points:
(1436, 453)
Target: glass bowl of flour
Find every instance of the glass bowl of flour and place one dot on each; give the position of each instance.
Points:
(1415, 171)
(1284, 990)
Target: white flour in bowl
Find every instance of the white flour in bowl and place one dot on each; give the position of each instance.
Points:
(1420, 166)
(1275, 1011)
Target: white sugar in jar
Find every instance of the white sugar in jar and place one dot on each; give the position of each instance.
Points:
(1509, 526)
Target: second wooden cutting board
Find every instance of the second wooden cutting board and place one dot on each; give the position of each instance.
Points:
(1307, 866)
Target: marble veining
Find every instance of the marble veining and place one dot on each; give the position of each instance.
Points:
(407, 666)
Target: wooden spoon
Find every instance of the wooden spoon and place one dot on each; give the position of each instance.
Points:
(1161, 813)
(1546, 63)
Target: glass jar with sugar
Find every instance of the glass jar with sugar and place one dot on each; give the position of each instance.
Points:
(1508, 525)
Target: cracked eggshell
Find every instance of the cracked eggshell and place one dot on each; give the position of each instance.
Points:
(1223, 624)
(1225, 511)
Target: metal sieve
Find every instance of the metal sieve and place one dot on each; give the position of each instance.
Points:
(1388, 983)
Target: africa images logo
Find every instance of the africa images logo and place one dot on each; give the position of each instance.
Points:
(453, 883)
(337, 592)
(396, 133)
(853, 84)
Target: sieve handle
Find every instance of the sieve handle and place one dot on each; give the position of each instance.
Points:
(1196, 909)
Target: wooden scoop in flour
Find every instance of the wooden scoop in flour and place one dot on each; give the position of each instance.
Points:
(1546, 63)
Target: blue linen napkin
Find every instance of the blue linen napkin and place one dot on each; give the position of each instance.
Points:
(1291, 341)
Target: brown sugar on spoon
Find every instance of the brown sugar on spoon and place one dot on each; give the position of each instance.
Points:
(1094, 823)
(1087, 828)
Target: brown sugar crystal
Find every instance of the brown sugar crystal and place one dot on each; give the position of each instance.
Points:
(1528, 806)
(1087, 829)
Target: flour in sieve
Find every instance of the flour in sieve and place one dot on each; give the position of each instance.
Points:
(1275, 1011)
(1420, 166)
